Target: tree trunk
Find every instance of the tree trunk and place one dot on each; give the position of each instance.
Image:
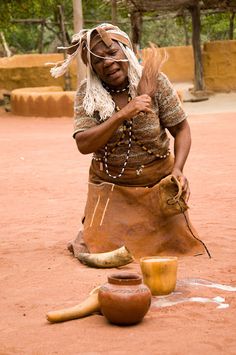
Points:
(41, 33)
(78, 25)
(5, 45)
(114, 12)
(231, 25)
(77, 15)
(136, 28)
(196, 43)
(187, 42)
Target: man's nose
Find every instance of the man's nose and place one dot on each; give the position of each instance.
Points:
(108, 62)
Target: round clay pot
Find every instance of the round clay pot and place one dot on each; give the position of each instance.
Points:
(124, 299)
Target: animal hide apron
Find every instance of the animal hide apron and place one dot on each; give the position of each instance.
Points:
(147, 220)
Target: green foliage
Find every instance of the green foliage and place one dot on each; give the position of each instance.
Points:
(100, 11)
(170, 31)
(164, 31)
(25, 37)
(216, 27)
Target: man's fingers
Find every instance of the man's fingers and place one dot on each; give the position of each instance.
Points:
(147, 109)
(187, 195)
(186, 190)
(184, 184)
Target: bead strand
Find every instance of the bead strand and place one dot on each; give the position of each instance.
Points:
(150, 151)
(115, 91)
(126, 126)
(127, 155)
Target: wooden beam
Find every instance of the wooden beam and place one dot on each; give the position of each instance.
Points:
(171, 5)
(160, 5)
(28, 20)
(36, 21)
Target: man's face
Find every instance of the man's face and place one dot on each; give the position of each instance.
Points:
(113, 73)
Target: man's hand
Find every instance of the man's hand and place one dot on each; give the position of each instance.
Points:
(139, 104)
(183, 182)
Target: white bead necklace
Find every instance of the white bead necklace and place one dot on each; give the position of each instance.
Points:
(115, 91)
(129, 130)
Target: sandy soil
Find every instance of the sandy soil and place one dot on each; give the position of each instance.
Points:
(43, 192)
(216, 102)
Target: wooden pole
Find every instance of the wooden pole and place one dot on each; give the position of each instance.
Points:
(196, 43)
(78, 25)
(136, 30)
(63, 33)
(5, 45)
(114, 12)
(41, 33)
(187, 41)
(231, 25)
(77, 15)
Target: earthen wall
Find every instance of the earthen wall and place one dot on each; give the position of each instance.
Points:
(219, 65)
(180, 65)
(29, 70)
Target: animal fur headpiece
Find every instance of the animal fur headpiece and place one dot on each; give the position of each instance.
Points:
(96, 97)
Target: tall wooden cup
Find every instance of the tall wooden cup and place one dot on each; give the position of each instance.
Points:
(159, 273)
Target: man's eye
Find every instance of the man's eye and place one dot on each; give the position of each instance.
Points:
(97, 60)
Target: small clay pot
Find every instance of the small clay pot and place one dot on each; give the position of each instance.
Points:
(124, 299)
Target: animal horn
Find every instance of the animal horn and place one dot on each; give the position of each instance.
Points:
(89, 306)
(114, 258)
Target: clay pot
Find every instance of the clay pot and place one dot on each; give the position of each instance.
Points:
(159, 274)
(124, 299)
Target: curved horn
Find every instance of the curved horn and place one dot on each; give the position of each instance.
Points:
(115, 258)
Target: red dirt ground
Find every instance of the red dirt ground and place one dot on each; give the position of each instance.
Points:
(43, 192)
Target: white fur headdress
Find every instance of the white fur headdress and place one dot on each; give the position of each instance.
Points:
(96, 97)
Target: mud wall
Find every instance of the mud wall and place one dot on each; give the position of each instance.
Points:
(180, 65)
(45, 101)
(29, 70)
(219, 65)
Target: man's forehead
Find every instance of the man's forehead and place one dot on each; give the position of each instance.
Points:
(101, 48)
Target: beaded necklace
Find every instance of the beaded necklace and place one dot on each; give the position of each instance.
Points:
(127, 126)
(129, 130)
(114, 91)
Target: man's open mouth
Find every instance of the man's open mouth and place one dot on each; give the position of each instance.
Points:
(112, 72)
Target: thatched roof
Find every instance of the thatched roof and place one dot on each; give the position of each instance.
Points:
(138, 8)
(174, 5)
